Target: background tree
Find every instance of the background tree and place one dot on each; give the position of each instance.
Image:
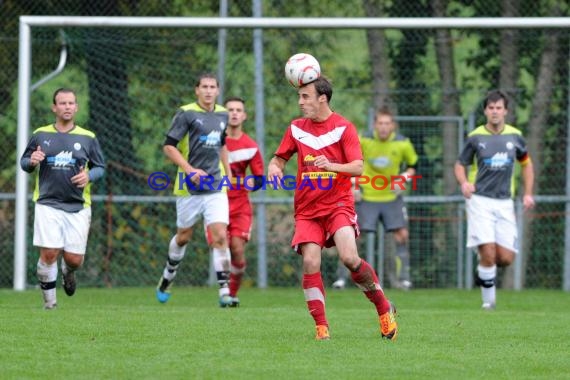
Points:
(378, 53)
(509, 72)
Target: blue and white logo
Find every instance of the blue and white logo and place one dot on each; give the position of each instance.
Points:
(62, 159)
(212, 139)
(499, 160)
(380, 162)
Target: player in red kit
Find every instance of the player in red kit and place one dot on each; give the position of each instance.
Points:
(243, 153)
(328, 150)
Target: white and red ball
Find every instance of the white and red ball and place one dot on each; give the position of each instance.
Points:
(302, 69)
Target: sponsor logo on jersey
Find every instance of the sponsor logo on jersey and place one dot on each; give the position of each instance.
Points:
(62, 159)
(380, 162)
(499, 160)
(211, 139)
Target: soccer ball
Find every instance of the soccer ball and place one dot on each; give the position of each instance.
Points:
(302, 69)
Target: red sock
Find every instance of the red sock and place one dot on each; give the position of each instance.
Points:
(315, 296)
(366, 279)
(236, 273)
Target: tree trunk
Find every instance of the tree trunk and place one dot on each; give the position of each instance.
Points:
(538, 121)
(508, 76)
(109, 101)
(378, 49)
(508, 83)
(450, 107)
(450, 99)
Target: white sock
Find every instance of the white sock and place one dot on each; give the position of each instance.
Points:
(47, 275)
(488, 273)
(221, 259)
(175, 256)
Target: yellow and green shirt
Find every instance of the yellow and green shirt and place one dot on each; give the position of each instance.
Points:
(382, 160)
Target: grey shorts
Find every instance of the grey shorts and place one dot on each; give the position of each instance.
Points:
(393, 215)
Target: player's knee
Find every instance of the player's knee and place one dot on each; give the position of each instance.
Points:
(311, 265)
(237, 255)
(351, 262)
(504, 257)
(504, 262)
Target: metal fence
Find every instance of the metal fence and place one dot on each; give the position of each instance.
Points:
(130, 80)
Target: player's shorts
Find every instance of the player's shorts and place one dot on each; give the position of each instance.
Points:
(321, 230)
(240, 226)
(491, 220)
(393, 215)
(212, 207)
(241, 217)
(54, 228)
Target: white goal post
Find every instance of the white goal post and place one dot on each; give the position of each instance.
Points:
(25, 58)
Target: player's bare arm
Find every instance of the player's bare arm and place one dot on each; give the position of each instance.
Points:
(467, 189)
(528, 183)
(224, 157)
(353, 168)
(81, 179)
(37, 156)
(176, 157)
(276, 167)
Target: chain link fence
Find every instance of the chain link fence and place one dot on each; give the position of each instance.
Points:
(131, 80)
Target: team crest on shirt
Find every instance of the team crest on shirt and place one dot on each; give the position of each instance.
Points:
(510, 145)
(77, 146)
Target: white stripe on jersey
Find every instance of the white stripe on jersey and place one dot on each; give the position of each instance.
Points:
(317, 142)
(239, 155)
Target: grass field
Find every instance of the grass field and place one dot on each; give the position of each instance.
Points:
(125, 333)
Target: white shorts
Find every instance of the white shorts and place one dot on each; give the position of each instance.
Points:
(214, 208)
(54, 228)
(491, 220)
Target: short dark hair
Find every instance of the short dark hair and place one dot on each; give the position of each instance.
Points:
(385, 110)
(323, 86)
(234, 99)
(204, 76)
(494, 96)
(64, 90)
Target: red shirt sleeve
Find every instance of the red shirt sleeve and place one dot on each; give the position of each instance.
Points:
(351, 144)
(287, 147)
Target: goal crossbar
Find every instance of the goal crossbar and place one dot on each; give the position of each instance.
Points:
(24, 66)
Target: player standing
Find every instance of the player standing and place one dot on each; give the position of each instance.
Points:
(386, 153)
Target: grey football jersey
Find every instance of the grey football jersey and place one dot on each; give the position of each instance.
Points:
(493, 160)
(201, 135)
(65, 155)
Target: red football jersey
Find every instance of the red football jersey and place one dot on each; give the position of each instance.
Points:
(337, 139)
(243, 153)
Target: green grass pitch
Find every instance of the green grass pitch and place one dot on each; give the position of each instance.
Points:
(124, 333)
